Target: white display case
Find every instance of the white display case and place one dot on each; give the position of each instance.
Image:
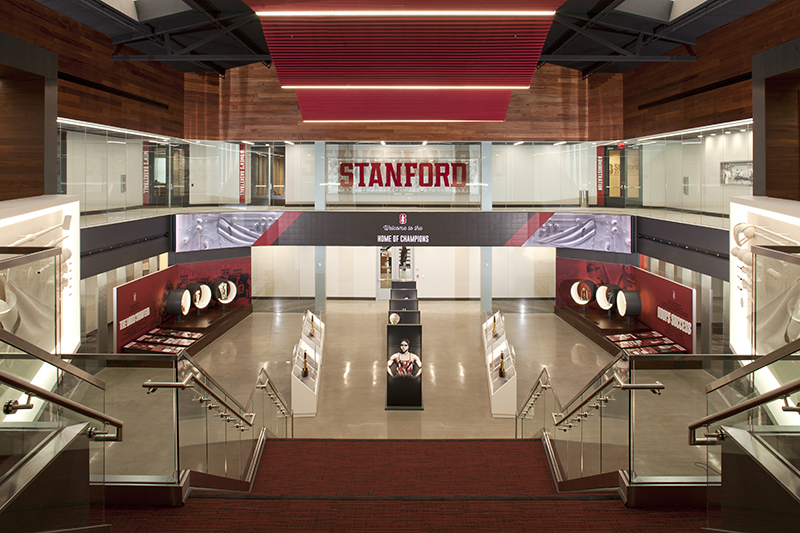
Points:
(307, 355)
(499, 355)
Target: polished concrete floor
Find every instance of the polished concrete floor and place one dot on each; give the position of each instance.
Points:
(352, 391)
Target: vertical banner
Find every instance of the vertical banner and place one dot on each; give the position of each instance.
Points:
(600, 198)
(145, 172)
(242, 172)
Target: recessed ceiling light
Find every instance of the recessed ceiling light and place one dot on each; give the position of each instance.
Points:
(412, 87)
(383, 143)
(424, 143)
(518, 143)
(559, 143)
(404, 13)
(290, 143)
(391, 120)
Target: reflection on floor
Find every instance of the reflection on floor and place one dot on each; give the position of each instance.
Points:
(353, 375)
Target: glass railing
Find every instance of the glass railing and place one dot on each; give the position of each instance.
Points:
(43, 436)
(752, 418)
(30, 290)
(181, 419)
(629, 418)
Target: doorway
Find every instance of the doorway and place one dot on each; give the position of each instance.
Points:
(395, 263)
(622, 177)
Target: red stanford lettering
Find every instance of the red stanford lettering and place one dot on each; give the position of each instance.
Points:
(403, 174)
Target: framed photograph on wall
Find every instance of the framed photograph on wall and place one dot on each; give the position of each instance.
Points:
(736, 172)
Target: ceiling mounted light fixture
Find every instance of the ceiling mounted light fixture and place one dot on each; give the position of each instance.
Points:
(518, 143)
(402, 13)
(413, 87)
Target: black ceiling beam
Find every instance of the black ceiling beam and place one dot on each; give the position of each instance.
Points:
(616, 59)
(135, 37)
(205, 8)
(557, 47)
(633, 31)
(588, 34)
(174, 58)
(661, 31)
(216, 35)
(122, 19)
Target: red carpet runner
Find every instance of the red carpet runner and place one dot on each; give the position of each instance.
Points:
(407, 485)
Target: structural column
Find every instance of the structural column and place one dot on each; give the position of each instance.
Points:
(486, 205)
(319, 205)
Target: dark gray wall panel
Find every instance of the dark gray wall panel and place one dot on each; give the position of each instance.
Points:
(110, 246)
(697, 248)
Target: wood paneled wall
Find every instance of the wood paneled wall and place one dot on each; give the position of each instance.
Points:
(21, 134)
(722, 54)
(253, 106)
(783, 136)
(605, 107)
(140, 96)
(201, 106)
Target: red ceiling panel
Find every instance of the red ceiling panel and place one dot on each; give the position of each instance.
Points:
(417, 5)
(404, 51)
(475, 51)
(402, 105)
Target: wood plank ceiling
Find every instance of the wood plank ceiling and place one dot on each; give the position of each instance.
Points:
(397, 64)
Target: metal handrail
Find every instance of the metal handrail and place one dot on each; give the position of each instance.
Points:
(761, 362)
(597, 376)
(539, 385)
(278, 398)
(210, 391)
(589, 398)
(185, 355)
(618, 383)
(775, 394)
(46, 357)
(44, 394)
(188, 383)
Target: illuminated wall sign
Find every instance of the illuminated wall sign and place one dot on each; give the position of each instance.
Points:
(374, 169)
(394, 174)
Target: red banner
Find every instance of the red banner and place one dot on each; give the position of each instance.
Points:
(145, 173)
(600, 195)
(140, 305)
(242, 172)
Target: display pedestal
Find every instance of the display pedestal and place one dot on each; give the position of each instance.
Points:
(499, 358)
(596, 324)
(404, 393)
(307, 354)
(212, 324)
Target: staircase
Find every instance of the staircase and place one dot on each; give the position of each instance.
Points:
(404, 485)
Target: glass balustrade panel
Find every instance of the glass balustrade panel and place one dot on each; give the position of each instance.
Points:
(659, 446)
(192, 429)
(149, 446)
(615, 440)
(591, 433)
(54, 435)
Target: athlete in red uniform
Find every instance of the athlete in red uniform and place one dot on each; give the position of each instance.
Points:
(404, 362)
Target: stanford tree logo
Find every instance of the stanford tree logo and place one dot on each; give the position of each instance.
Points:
(403, 218)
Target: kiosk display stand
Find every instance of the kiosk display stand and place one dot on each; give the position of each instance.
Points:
(500, 370)
(404, 372)
(306, 364)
